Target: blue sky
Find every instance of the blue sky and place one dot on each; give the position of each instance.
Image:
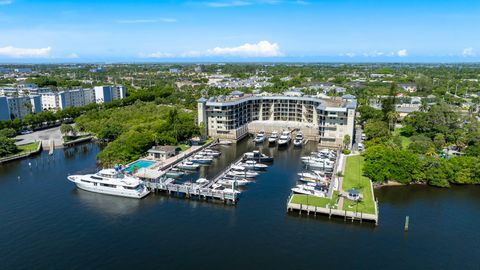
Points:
(240, 30)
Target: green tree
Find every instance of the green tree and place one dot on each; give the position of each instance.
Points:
(8, 132)
(7, 146)
(346, 141)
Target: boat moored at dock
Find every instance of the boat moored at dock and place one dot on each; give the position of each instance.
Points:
(273, 138)
(260, 137)
(111, 182)
(284, 139)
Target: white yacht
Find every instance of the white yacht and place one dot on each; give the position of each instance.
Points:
(273, 138)
(111, 182)
(260, 138)
(298, 141)
(284, 138)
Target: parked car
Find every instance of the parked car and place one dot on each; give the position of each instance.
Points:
(27, 131)
(361, 147)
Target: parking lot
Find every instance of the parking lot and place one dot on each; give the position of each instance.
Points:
(42, 135)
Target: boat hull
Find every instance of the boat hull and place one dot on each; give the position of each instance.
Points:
(127, 194)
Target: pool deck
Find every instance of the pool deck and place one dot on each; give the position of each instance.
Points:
(163, 165)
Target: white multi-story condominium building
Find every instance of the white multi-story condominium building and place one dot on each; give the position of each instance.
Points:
(67, 98)
(108, 93)
(21, 106)
(326, 120)
(4, 111)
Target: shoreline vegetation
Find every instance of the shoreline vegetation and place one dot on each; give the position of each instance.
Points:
(416, 152)
(131, 130)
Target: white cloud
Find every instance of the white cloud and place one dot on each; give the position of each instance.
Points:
(11, 51)
(138, 21)
(227, 4)
(402, 53)
(5, 2)
(468, 52)
(261, 49)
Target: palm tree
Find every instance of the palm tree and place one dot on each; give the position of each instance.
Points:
(392, 119)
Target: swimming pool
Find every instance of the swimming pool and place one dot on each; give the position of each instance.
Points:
(139, 164)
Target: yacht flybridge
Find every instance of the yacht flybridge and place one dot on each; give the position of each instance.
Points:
(111, 182)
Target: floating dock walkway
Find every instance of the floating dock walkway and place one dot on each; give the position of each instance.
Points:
(194, 190)
(350, 215)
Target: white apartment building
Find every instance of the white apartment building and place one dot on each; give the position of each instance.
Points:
(326, 120)
(108, 93)
(19, 107)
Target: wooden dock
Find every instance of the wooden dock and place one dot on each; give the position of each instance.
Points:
(194, 190)
(190, 191)
(346, 215)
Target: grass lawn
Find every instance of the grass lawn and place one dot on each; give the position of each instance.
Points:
(183, 147)
(314, 201)
(405, 140)
(27, 147)
(353, 178)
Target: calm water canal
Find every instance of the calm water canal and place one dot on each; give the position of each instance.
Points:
(46, 223)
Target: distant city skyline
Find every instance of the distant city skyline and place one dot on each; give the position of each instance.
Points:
(239, 31)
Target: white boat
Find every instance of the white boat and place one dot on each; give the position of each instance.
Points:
(260, 138)
(174, 173)
(273, 138)
(188, 165)
(314, 175)
(211, 153)
(111, 182)
(312, 190)
(284, 138)
(257, 156)
(253, 165)
(202, 181)
(202, 159)
(222, 188)
(318, 165)
(230, 181)
(241, 171)
(298, 141)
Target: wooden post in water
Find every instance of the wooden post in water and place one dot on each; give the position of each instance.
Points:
(407, 221)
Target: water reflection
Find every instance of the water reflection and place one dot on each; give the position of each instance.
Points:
(106, 204)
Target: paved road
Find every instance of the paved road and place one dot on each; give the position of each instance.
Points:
(358, 137)
(42, 135)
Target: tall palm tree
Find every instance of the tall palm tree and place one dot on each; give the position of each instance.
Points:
(392, 119)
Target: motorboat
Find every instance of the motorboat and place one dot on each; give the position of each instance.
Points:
(201, 159)
(313, 190)
(202, 181)
(314, 175)
(174, 173)
(298, 141)
(319, 165)
(188, 165)
(253, 165)
(111, 182)
(222, 188)
(260, 138)
(284, 139)
(257, 156)
(241, 171)
(273, 137)
(231, 181)
(210, 152)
